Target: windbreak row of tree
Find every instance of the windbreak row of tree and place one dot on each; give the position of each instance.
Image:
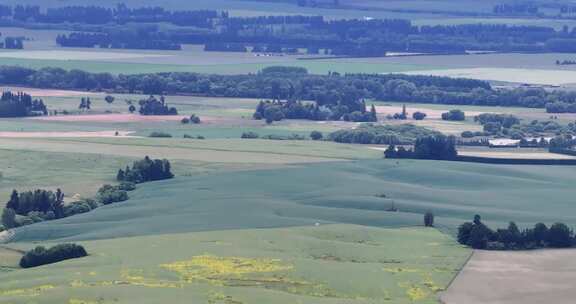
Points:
(139, 40)
(277, 110)
(404, 134)
(21, 105)
(352, 37)
(119, 15)
(286, 83)
(29, 207)
(479, 236)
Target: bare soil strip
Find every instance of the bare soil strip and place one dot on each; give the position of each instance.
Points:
(47, 92)
(523, 277)
(66, 134)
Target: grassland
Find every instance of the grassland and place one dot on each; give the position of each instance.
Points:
(334, 192)
(289, 265)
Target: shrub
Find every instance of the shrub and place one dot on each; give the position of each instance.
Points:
(454, 115)
(160, 134)
(195, 119)
(316, 135)
(250, 135)
(42, 256)
(127, 186)
(185, 120)
(109, 194)
(468, 134)
(418, 115)
(79, 207)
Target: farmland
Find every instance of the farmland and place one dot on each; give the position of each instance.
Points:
(275, 210)
(284, 265)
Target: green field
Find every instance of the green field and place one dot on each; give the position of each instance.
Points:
(289, 265)
(313, 66)
(344, 192)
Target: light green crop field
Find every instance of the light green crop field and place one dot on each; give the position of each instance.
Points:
(314, 66)
(322, 264)
(332, 192)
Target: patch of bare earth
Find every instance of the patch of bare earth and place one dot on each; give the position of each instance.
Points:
(124, 117)
(520, 277)
(47, 92)
(66, 134)
(430, 113)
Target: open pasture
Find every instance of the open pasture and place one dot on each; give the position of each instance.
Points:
(288, 265)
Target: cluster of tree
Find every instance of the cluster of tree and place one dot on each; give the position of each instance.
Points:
(41, 256)
(454, 115)
(21, 105)
(479, 236)
(334, 89)
(277, 110)
(381, 134)
(154, 106)
(146, 170)
(193, 119)
(32, 206)
(437, 147)
(140, 40)
(493, 124)
(12, 43)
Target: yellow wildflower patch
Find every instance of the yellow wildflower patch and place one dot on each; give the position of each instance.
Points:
(220, 269)
(28, 292)
(416, 293)
(400, 270)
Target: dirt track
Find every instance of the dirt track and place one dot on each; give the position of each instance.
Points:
(525, 277)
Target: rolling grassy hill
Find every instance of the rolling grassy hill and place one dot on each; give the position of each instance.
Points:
(333, 192)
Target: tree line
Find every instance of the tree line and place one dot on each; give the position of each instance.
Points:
(286, 83)
(352, 37)
(479, 236)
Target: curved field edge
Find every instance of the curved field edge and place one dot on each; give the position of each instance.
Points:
(285, 265)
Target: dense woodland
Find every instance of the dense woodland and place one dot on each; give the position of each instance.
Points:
(21, 105)
(99, 26)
